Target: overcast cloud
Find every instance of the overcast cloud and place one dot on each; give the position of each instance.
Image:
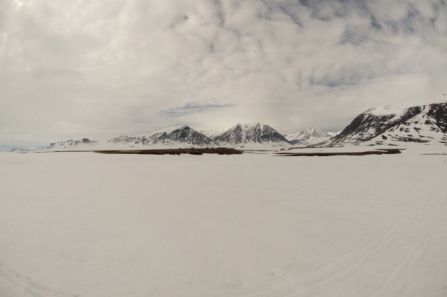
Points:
(72, 69)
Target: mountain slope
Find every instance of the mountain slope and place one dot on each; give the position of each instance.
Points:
(420, 124)
(367, 125)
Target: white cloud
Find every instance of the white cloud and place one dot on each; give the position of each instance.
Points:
(73, 69)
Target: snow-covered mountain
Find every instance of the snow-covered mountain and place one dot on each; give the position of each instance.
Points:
(175, 137)
(387, 125)
(308, 137)
(367, 125)
(24, 150)
(84, 144)
(167, 137)
(258, 134)
(384, 125)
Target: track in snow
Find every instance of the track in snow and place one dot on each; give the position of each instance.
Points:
(281, 204)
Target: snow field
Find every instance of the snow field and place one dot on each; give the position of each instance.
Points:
(86, 224)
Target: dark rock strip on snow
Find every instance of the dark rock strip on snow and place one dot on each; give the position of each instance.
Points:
(326, 154)
(190, 151)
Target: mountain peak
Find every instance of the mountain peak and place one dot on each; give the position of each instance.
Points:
(185, 127)
(258, 133)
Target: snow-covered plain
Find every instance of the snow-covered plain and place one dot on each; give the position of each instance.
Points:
(88, 225)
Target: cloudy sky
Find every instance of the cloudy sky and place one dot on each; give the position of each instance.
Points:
(72, 69)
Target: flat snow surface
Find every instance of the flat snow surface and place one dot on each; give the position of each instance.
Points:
(252, 225)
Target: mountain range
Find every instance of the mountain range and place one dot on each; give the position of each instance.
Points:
(241, 136)
(377, 126)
